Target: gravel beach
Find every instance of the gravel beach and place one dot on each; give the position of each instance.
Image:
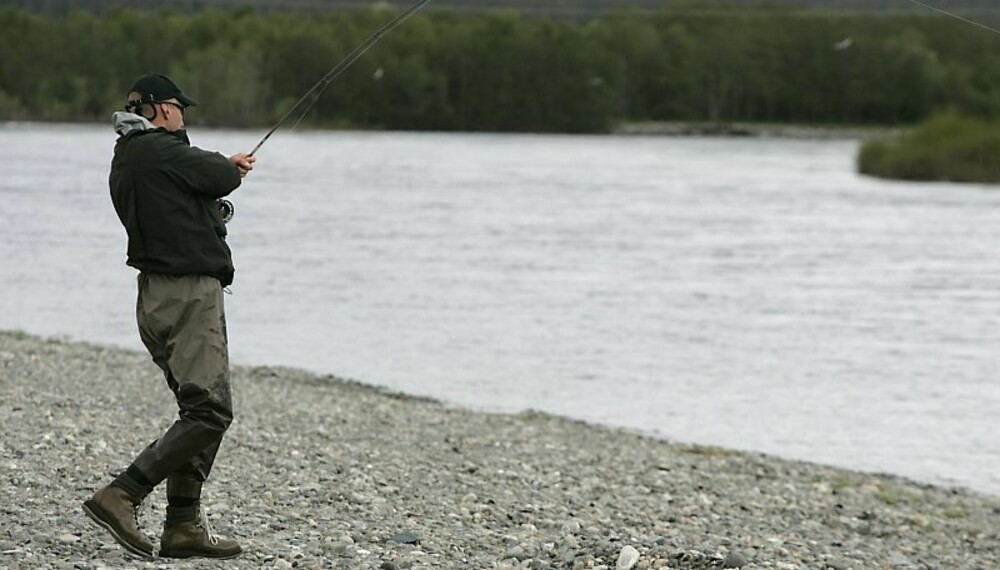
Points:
(319, 472)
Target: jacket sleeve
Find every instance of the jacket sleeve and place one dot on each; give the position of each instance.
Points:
(200, 171)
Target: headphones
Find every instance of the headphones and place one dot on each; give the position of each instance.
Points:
(135, 105)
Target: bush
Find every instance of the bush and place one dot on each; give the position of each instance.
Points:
(946, 147)
(11, 108)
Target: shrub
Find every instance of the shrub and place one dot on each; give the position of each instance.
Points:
(946, 147)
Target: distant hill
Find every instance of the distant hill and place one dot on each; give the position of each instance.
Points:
(552, 8)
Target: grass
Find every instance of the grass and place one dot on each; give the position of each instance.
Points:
(841, 482)
(709, 451)
(946, 147)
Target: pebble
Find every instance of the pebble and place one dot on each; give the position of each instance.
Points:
(405, 538)
(734, 560)
(319, 473)
(627, 558)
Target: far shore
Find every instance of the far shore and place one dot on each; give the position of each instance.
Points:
(769, 130)
(647, 128)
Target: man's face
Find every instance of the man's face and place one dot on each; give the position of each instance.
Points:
(171, 112)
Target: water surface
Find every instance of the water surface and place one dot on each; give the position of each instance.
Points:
(748, 293)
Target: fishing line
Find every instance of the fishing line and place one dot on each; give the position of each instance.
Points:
(956, 16)
(321, 85)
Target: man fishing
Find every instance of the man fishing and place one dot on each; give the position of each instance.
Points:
(165, 192)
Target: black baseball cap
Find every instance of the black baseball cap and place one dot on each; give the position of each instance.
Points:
(158, 87)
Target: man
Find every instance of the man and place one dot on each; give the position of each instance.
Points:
(165, 192)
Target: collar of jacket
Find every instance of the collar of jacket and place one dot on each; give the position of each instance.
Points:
(127, 124)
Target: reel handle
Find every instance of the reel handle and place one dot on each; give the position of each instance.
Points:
(226, 209)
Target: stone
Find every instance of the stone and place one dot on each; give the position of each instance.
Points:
(899, 560)
(627, 558)
(405, 538)
(734, 560)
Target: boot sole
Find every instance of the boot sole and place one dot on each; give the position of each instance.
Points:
(195, 554)
(97, 514)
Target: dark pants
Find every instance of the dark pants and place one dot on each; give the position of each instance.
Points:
(182, 322)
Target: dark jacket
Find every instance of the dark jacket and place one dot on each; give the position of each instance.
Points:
(165, 192)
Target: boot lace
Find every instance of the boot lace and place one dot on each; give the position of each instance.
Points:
(203, 523)
(138, 509)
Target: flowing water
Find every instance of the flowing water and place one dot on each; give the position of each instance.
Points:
(748, 293)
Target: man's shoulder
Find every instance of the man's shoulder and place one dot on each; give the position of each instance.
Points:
(148, 137)
(152, 141)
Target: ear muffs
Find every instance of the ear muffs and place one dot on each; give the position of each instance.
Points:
(135, 106)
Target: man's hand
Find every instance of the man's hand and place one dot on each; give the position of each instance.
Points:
(244, 162)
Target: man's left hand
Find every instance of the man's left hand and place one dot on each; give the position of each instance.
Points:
(244, 162)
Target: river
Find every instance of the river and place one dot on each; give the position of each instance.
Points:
(750, 293)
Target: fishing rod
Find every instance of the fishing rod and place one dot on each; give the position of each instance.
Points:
(321, 85)
(226, 208)
(953, 15)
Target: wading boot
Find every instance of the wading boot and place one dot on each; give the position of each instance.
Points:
(191, 537)
(116, 511)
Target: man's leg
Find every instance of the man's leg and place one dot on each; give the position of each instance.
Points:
(182, 323)
(184, 484)
(186, 316)
(184, 533)
(197, 360)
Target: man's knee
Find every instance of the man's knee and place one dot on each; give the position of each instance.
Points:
(213, 411)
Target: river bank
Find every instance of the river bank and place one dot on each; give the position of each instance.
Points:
(319, 472)
(646, 128)
(770, 130)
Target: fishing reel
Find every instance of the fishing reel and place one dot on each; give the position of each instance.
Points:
(226, 209)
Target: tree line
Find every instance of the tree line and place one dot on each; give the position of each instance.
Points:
(505, 71)
(581, 9)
